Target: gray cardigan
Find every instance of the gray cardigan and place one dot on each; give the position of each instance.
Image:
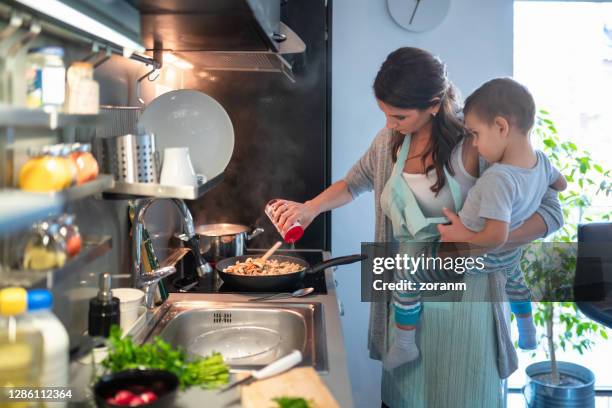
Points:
(371, 172)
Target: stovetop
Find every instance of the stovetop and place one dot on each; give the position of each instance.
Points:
(315, 280)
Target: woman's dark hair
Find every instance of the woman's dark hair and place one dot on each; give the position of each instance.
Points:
(506, 98)
(411, 78)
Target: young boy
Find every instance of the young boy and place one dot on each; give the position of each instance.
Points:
(500, 115)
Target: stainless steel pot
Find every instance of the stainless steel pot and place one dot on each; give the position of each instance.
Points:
(220, 241)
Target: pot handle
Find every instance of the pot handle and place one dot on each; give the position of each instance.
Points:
(343, 260)
(255, 233)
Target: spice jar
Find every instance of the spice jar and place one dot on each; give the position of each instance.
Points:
(82, 91)
(45, 78)
(86, 163)
(45, 248)
(291, 234)
(46, 170)
(70, 234)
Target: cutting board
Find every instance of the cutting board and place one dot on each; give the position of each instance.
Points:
(301, 382)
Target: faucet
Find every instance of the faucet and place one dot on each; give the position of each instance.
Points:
(188, 236)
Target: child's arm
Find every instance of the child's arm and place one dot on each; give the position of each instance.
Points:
(494, 234)
(559, 184)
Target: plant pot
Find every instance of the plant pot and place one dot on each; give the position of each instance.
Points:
(580, 393)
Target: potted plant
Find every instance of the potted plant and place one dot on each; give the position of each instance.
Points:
(549, 270)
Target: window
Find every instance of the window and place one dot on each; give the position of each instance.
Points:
(563, 54)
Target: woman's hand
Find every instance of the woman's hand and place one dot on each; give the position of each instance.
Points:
(455, 231)
(286, 213)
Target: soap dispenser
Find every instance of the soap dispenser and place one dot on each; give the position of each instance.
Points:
(103, 309)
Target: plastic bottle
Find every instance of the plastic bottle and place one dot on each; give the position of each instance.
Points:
(21, 345)
(55, 371)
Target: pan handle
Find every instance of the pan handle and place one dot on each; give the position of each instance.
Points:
(342, 260)
(255, 233)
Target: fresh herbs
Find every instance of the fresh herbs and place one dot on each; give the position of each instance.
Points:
(209, 372)
(292, 402)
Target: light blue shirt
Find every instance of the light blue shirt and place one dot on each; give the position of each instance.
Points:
(507, 193)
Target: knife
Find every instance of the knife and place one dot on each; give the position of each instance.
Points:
(279, 366)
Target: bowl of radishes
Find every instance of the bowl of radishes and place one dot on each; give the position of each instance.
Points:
(136, 388)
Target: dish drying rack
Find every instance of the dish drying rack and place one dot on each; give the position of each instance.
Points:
(124, 120)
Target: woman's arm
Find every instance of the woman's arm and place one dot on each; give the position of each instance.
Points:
(286, 213)
(547, 219)
(360, 178)
(533, 228)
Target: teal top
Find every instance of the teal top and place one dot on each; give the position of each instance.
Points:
(400, 205)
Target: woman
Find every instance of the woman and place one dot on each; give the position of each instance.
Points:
(465, 348)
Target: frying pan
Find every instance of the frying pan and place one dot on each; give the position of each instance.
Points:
(278, 282)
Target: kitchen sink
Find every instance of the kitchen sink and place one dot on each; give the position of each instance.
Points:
(249, 335)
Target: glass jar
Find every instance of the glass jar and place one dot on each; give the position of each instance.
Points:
(46, 170)
(45, 78)
(86, 163)
(45, 248)
(70, 234)
(82, 91)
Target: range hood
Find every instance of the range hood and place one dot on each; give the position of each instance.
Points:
(231, 35)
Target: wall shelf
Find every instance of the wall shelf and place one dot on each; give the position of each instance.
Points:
(91, 188)
(93, 248)
(160, 191)
(11, 116)
(19, 209)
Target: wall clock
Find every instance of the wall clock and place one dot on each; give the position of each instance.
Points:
(418, 15)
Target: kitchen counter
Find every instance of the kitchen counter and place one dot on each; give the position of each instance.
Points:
(336, 378)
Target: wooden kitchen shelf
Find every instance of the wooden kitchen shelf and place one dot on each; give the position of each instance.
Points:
(160, 191)
(93, 248)
(19, 209)
(11, 116)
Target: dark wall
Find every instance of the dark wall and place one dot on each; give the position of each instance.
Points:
(280, 131)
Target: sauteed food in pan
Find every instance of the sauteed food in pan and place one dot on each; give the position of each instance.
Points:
(254, 267)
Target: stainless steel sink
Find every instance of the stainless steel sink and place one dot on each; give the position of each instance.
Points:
(251, 335)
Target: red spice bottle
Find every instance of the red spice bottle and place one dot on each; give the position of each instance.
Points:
(291, 234)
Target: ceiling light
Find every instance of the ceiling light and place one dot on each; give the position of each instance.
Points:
(63, 12)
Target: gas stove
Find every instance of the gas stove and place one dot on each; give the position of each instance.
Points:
(315, 280)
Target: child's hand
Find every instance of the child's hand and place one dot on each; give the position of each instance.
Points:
(455, 231)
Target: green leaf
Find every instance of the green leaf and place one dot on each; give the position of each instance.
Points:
(550, 143)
